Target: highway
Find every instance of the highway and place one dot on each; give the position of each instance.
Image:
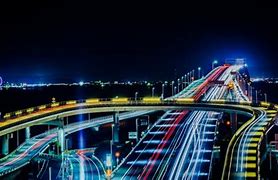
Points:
(180, 145)
(22, 159)
(81, 165)
(244, 147)
(32, 147)
(75, 164)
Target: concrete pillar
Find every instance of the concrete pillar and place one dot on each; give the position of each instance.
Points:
(116, 128)
(61, 136)
(27, 133)
(5, 144)
(17, 138)
(233, 118)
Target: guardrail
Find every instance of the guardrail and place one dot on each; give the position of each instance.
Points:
(229, 154)
(113, 101)
(91, 101)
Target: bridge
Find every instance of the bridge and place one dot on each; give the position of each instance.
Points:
(179, 145)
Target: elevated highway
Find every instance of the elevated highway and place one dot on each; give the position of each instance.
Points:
(243, 157)
(21, 122)
(32, 147)
(199, 97)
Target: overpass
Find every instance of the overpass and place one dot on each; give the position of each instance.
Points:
(31, 116)
(244, 154)
(198, 96)
(37, 144)
(31, 148)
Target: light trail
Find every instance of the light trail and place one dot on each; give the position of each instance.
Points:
(153, 160)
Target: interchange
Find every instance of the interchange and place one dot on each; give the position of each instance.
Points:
(180, 169)
(192, 93)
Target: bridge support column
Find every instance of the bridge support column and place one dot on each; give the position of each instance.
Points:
(233, 118)
(61, 136)
(27, 133)
(5, 144)
(115, 128)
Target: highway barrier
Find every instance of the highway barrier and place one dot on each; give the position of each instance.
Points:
(115, 101)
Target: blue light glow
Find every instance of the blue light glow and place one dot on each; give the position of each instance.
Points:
(81, 83)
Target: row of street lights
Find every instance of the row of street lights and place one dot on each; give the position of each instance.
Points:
(181, 82)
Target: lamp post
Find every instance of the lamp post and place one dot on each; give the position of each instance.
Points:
(162, 91)
(135, 98)
(137, 130)
(193, 75)
(212, 64)
(153, 92)
(178, 85)
(182, 83)
(117, 154)
(188, 78)
(199, 72)
(265, 97)
(185, 81)
(256, 96)
(111, 147)
(173, 88)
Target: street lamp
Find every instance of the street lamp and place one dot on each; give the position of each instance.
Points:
(178, 85)
(212, 64)
(265, 97)
(256, 96)
(185, 81)
(193, 75)
(111, 146)
(199, 72)
(188, 78)
(162, 91)
(117, 154)
(135, 98)
(182, 83)
(153, 92)
(173, 88)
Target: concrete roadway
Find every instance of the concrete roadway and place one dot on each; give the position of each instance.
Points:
(32, 147)
(180, 145)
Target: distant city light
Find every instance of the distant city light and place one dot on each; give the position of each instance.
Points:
(81, 83)
(1, 81)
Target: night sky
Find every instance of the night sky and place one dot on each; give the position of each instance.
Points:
(52, 42)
